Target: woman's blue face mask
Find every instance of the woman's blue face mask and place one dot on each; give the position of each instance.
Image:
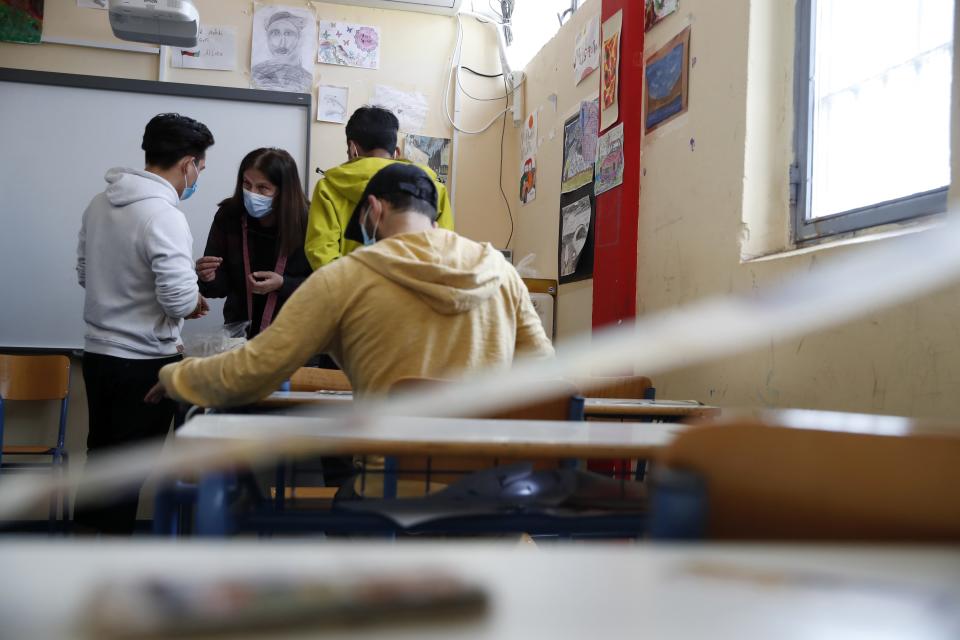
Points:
(257, 206)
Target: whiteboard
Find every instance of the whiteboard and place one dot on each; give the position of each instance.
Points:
(60, 134)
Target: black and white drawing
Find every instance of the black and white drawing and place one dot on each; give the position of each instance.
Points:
(575, 227)
(332, 103)
(284, 42)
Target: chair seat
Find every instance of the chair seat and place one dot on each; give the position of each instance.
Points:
(28, 450)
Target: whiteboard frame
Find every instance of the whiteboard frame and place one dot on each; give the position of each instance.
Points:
(155, 87)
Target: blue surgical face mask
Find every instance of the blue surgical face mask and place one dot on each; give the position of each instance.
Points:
(257, 206)
(368, 239)
(192, 189)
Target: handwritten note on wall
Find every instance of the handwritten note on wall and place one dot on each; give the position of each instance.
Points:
(216, 49)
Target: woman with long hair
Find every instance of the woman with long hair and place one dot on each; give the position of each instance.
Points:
(254, 256)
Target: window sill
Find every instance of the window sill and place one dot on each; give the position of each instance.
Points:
(852, 238)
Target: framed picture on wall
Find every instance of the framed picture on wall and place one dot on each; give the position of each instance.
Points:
(667, 82)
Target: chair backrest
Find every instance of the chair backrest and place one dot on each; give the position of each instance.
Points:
(314, 379)
(34, 377)
(633, 387)
(784, 483)
(558, 408)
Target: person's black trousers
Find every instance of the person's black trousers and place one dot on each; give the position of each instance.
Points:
(118, 416)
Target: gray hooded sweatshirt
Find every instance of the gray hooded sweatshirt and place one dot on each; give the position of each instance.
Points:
(134, 258)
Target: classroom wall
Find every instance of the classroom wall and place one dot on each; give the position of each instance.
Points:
(550, 89)
(724, 163)
(415, 57)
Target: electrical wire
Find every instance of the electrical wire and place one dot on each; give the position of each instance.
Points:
(463, 89)
(503, 130)
(454, 65)
(482, 75)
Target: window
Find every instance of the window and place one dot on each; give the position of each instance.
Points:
(532, 24)
(873, 113)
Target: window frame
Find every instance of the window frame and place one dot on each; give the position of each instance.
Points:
(806, 230)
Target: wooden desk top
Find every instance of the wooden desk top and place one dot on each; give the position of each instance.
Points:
(285, 399)
(600, 407)
(585, 591)
(400, 435)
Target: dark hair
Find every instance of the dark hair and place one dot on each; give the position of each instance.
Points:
(171, 136)
(289, 203)
(405, 202)
(372, 128)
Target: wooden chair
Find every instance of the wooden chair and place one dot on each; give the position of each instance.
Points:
(37, 378)
(411, 469)
(845, 481)
(314, 379)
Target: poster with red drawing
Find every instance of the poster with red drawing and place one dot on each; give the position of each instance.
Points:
(610, 67)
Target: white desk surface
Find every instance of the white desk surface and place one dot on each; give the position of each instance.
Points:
(397, 435)
(577, 592)
(642, 407)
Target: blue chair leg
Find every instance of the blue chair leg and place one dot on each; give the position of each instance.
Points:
(678, 506)
(213, 505)
(390, 478)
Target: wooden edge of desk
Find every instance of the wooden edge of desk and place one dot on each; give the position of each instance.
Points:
(650, 410)
(309, 446)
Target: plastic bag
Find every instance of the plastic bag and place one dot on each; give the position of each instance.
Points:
(525, 267)
(229, 337)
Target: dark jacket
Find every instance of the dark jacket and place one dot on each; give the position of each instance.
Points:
(226, 241)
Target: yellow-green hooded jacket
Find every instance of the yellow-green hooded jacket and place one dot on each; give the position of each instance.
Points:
(336, 196)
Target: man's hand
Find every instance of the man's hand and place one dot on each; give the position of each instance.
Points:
(207, 268)
(203, 307)
(156, 394)
(264, 282)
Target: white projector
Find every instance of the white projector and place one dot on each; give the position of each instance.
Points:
(170, 22)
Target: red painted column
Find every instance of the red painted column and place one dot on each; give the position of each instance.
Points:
(615, 248)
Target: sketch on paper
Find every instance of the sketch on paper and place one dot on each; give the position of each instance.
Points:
(349, 45)
(528, 136)
(667, 82)
(21, 21)
(528, 180)
(216, 49)
(657, 10)
(610, 71)
(410, 107)
(429, 152)
(281, 57)
(609, 170)
(575, 227)
(93, 4)
(586, 51)
(332, 103)
(580, 146)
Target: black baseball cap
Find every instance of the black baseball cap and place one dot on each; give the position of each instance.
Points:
(396, 177)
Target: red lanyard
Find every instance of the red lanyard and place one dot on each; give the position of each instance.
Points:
(271, 305)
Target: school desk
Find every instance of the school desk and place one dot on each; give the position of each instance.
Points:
(647, 410)
(550, 591)
(408, 436)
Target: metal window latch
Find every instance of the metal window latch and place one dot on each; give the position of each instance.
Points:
(794, 183)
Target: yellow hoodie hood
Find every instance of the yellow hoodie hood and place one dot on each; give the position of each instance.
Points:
(350, 178)
(451, 274)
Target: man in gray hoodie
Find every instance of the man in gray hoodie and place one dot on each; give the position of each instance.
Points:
(134, 258)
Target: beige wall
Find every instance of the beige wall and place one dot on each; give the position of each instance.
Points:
(549, 74)
(415, 56)
(693, 204)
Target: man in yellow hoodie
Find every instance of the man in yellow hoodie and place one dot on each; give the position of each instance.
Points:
(419, 301)
(371, 145)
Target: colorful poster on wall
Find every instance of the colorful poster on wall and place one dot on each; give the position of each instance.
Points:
(657, 10)
(528, 180)
(216, 49)
(410, 107)
(349, 45)
(429, 152)
(93, 4)
(586, 51)
(332, 103)
(21, 21)
(609, 170)
(667, 82)
(580, 146)
(610, 67)
(281, 55)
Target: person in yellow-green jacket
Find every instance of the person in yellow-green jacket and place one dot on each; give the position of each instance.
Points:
(371, 145)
